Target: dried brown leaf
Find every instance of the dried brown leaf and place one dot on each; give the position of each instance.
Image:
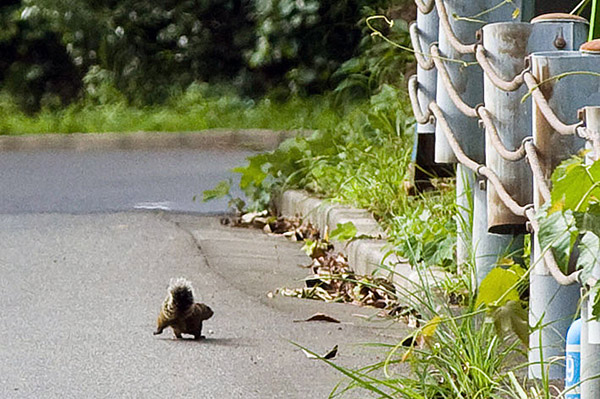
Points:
(320, 317)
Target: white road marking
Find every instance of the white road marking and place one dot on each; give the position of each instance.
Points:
(164, 205)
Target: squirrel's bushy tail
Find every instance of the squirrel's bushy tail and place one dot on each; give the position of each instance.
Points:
(181, 294)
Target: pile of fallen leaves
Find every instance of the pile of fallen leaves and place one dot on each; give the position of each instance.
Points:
(332, 280)
(292, 228)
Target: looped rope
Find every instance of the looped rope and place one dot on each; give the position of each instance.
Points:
(528, 207)
(526, 140)
(450, 35)
(424, 63)
(420, 116)
(444, 77)
(542, 103)
(494, 137)
(505, 85)
(479, 169)
(426, 6)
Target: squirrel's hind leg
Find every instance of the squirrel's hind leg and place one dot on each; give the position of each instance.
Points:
(159, 330)
(198, 334)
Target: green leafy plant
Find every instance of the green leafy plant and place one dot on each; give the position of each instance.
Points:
(222, 190)
(500, 292)
(378, 62)
(343, 232)
(570, 222)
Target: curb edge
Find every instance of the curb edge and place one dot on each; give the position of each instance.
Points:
(249, 139)
(365, 255)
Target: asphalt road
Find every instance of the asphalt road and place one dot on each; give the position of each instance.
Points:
(117, 180)
(83, 275)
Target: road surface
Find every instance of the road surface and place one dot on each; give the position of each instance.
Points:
(117, 180)
(84, 272)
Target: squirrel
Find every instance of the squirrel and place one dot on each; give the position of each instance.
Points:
(180, 312)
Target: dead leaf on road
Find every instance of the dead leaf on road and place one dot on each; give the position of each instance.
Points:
(329, 355)
(332, 353)
(319, 317)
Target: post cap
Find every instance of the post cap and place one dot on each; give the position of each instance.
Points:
(592, 46)
(558, 17)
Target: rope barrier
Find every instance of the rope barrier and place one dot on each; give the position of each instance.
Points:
(587, 133)
(413, 86)
(450, 35)
(458, 152)
(505, 85)
(527, 210)
(506, 198)
(424, 63)
(591, 136)
(444, 76)
(527, 149)
(425, 7)
(549, 260)
(495, 140)
(545, 108)
(536, 168)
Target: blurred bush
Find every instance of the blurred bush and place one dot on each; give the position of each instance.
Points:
(145, 51)
(34, 65)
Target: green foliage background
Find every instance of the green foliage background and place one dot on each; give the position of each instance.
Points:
(55, 51)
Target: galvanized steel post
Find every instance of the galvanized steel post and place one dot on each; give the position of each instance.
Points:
(552, 305)
(423, 33)
(508, 121)
(489, 248)
(506, 46)
(426, 33)
(465, 184)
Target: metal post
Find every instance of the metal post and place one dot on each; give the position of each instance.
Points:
(590, 352)
(551, 305)
(590, 340)
(506, 46)
(423, 34)
(468, 80)
(426, 32)
(490, 248)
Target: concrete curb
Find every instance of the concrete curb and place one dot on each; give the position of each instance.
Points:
(250, 139)
(365, 255)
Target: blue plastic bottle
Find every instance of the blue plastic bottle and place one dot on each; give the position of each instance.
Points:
(573, 361)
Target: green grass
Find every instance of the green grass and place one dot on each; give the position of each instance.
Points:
(453, 354)
(189, 111)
